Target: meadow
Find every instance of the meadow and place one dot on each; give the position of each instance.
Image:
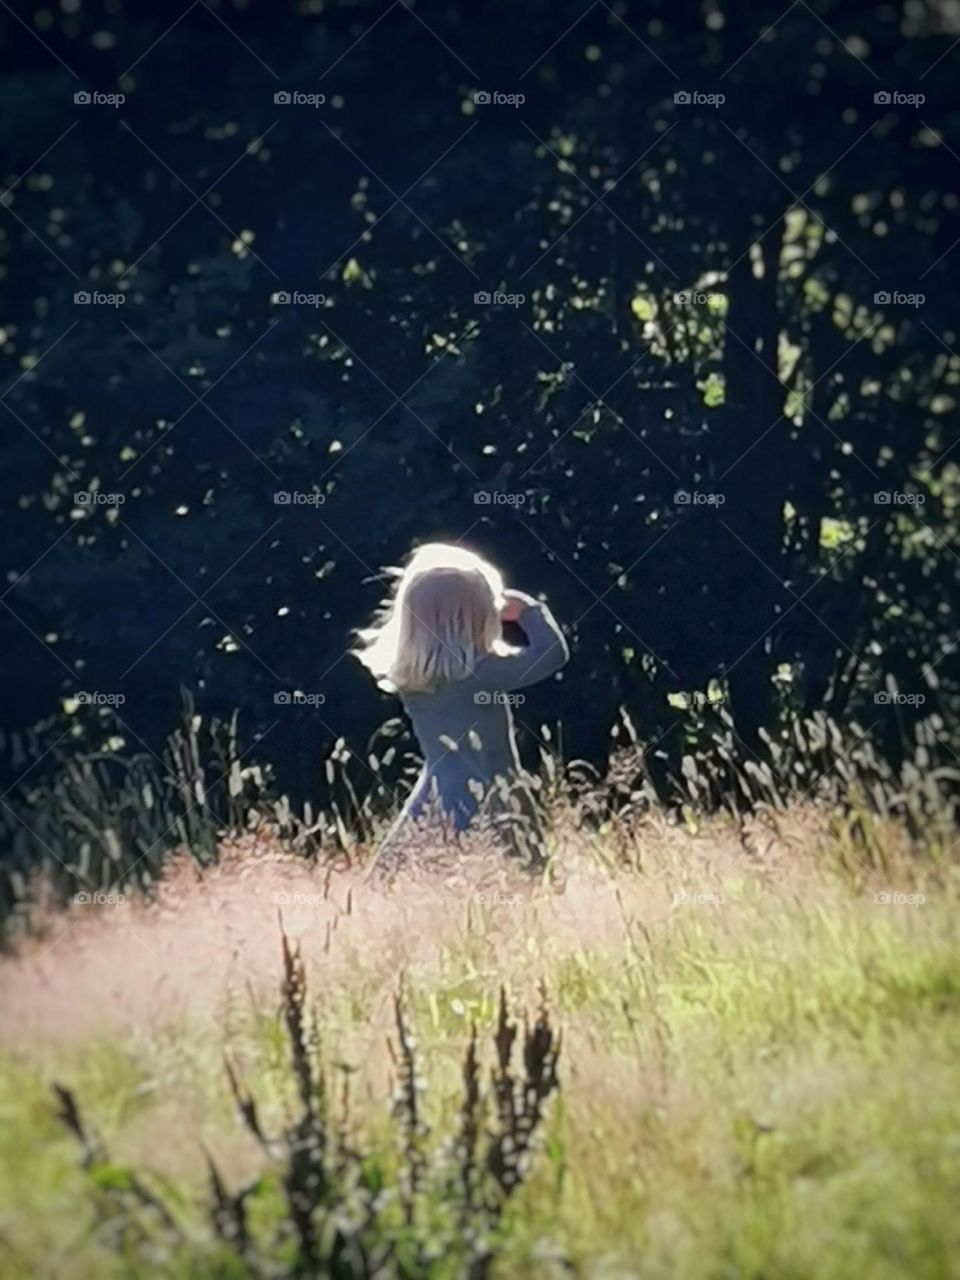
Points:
(703, 1049)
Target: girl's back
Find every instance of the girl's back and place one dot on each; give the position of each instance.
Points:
(440, 647)
(465, 727)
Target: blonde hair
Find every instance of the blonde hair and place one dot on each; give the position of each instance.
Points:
(442, 618)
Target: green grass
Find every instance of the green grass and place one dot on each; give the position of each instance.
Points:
(763, 1089)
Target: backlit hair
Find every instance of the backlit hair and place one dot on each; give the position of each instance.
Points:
(442, 617)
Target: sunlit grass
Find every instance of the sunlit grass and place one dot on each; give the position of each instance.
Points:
(758, 1077)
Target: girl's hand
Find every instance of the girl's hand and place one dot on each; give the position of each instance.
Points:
(516, 603)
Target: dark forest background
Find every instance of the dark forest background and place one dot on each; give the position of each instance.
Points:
(704, 310)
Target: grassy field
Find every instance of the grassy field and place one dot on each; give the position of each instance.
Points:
(755, 1040)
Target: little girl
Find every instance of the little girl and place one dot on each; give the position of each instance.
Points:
(439, 643)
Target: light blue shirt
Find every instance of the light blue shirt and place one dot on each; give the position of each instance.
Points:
(465, 727)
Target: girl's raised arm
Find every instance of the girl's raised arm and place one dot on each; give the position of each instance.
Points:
(546, 650)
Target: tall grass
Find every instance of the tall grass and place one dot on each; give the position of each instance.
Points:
(271, 1068)
(110, 821)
